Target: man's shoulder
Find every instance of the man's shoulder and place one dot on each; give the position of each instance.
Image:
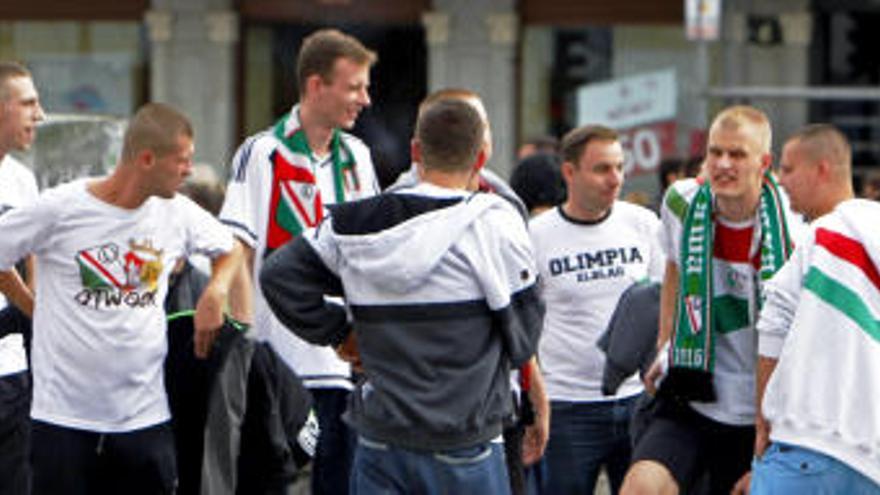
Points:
(353, 141)
(384, 211)
(632, 212)
(16, 166)
(548, 219)
(679, 195)
(253, 149)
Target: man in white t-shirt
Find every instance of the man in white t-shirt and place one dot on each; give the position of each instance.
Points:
(20, 112)
(281, 181)
(104, 250)
(725, 234)
(589, 250)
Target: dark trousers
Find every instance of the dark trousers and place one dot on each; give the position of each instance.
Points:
(15, 434)
(584, 436)
(78, 462)
(336, 443)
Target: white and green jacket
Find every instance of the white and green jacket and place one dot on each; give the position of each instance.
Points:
(821, 320)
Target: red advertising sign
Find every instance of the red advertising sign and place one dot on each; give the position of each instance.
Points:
(645, 146)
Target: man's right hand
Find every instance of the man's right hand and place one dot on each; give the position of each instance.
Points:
(348, 351)
(652, 378)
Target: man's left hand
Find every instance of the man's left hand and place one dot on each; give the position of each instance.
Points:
(208, 320)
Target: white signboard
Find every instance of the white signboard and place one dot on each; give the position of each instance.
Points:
(630, 101)
(642, 108)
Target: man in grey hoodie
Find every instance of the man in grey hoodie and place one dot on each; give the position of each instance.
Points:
(440, 284)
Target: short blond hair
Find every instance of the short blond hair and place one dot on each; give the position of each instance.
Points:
(739, 116)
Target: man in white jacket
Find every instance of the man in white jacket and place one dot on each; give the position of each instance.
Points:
(819, 340)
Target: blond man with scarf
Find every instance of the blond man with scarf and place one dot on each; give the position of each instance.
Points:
(281, 180)
(725, 233)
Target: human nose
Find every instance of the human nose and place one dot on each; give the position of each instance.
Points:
(364, 97)
(39, 114)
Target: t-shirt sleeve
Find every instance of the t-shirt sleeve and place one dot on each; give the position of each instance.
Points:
(671, 215)
(26, 229)
(241, 205)
(657, 261)
(205, 234)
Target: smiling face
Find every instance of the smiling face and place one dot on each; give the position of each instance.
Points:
(20, 111)
(735, 163)
(341, 98)
(594, 182)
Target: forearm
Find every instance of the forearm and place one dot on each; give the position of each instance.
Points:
(16, 291)
(765, 368)
(537, 390)
(30, 264)
(668, 300)
(241, 291)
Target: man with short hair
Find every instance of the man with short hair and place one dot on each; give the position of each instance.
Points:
(281, 181)
(526, 439)
(725, 235)
(818, 346)
(815, 170)
(440, 283)
(105, 248)
(589, 250)
(20, 112)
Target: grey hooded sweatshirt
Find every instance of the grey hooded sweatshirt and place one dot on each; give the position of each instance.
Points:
(441, 288)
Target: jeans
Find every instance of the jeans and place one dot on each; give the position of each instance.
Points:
(384, 469)
(335, 446)
(584, 436)
(790, 469)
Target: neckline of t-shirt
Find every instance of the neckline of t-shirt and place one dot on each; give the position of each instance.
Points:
(577, 221)
(109, 207)
(731, 224)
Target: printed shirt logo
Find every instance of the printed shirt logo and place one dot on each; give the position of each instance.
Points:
(598, 265)
(111, 277)
(296, 200)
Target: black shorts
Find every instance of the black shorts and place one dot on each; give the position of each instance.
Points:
(697, 450)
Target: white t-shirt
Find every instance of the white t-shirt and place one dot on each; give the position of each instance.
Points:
(18, 187)
(99, 323)
(246, 210)
(584, 269)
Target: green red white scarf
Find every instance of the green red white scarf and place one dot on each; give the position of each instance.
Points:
(692, 356)
(296, 202)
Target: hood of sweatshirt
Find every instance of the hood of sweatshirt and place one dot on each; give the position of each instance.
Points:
(405, 253)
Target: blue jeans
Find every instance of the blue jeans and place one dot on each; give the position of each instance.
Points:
(584, 436)
(787, 469)
(382, 469)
